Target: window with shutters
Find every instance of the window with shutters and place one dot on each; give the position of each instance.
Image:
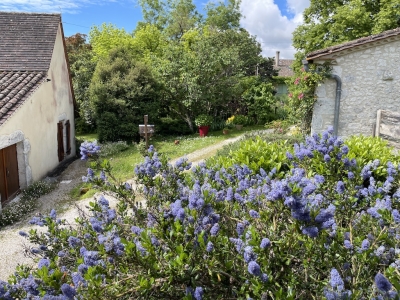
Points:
(68, 136)
(60, 141)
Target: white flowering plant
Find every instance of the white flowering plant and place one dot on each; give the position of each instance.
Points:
(325, 228)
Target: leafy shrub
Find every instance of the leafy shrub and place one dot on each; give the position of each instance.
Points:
(109, 149)
(203, 120)
(170, 126)
(229, 233)
(257, 150)
(239, 120)
(17, 210)
(367, 148)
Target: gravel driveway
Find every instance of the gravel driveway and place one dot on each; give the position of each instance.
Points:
(12, 244)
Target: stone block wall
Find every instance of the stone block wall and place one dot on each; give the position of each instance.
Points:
(370, 81)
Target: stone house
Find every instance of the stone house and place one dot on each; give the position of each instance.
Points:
(36, 100)
(283, 66)
(366, 78)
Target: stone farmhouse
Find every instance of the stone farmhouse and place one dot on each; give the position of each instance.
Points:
(36, 100)
(366, 78)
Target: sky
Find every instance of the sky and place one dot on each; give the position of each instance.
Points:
(271, 21)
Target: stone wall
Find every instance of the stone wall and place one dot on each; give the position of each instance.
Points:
(370, 81)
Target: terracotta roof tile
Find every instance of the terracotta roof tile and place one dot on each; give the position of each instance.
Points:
(27, 40)
(14, 91)
(354, 43)
(284, 68)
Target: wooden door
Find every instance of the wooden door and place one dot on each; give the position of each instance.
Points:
(9, 178)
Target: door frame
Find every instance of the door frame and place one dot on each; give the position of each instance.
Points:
(23, 151)
(9, 183)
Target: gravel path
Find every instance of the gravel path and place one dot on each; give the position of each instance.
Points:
(12, 244)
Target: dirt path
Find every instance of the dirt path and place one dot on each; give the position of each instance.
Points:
(12, 244)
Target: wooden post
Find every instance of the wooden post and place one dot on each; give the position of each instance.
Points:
(146, 119)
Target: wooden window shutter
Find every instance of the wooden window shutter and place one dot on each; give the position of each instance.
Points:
(68, 134)
(60, 141)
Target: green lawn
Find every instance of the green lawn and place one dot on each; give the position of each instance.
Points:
(124, 162)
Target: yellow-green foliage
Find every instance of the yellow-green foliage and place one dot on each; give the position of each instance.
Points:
(367, 148)
(256, 153)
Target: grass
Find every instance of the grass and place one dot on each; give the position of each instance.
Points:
(124, 162)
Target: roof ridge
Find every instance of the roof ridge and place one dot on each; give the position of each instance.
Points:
(354, 43)
(29, 13)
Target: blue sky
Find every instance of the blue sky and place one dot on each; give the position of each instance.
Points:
(272, 21)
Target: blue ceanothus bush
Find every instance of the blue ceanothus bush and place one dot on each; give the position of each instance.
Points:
(326, 229)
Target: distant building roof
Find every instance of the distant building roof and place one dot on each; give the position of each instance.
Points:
(284, 68)
(27, 40)
(358, 42)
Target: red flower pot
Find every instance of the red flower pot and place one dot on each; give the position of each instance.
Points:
(203, 130)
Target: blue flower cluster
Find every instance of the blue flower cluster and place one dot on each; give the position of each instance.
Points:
(226, 225)
(89, 149)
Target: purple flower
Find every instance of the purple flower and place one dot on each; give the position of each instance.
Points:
(396, 216)
(248, 254)
(238, 243)
(254, 214)
(310, 231)
(327, 158)
(382, 283)
(82, 268)
(348, 245)
(23, 233)
(78, 280)
(61, 253)
(319, 179)
(240, 228)
(340, 187)
(44, 262)
(265, 242)
(198, 293)
(73, 241)
(336, 281)
(68, 291)
(53, 214)
(210, 247)
(103, 201)
(365, 245)
(96, 225)
(264, 278)
(254, 268)
(214, 230)
(136, 230)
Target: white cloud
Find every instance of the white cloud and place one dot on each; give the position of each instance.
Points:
(65, 6)
(272, 28)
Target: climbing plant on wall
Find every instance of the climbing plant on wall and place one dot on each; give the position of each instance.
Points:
(302, 86)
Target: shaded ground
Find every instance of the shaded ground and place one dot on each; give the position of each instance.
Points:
(12, 244)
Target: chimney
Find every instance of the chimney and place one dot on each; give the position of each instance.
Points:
(277, 59)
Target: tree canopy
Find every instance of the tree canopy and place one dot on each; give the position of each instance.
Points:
(330, 22)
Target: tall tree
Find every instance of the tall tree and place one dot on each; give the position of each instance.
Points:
(108, 37)
(122, 91)
(201, 71)
(330, 22)
(223, 16)
(82, 66)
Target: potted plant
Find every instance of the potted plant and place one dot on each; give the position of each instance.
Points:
(225, 130)
(239, 121)
(203, 122)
